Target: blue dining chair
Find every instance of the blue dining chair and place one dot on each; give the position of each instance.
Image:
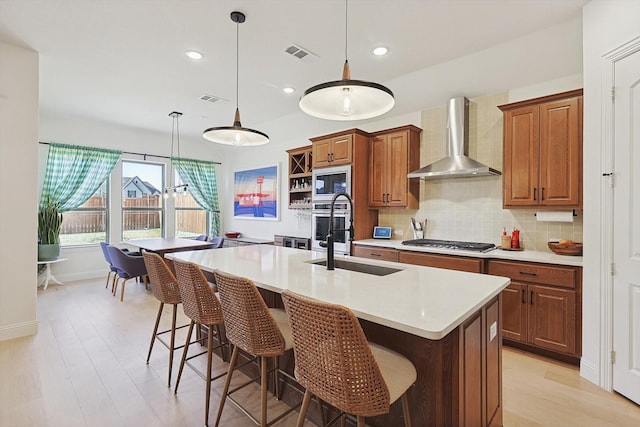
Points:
(112, 268)
(217, 242)
(128, 266)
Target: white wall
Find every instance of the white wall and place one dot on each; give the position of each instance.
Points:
(18, 190)
(607, 24)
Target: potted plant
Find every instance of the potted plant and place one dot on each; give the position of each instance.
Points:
(49, 223)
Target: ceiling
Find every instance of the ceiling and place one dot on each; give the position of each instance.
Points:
(123, 61)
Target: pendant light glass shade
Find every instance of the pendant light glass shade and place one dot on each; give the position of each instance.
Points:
(236, 134)
(347, 99)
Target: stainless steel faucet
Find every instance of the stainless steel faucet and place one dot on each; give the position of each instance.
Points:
(330, 238)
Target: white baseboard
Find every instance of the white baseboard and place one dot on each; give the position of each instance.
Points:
(590, 371)
(82, 275)
(18, 330)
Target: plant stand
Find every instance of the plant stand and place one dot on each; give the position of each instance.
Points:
(45, 277)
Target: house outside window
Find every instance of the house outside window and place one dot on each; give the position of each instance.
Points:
(142, 207)
(191, 219)
(87, 224)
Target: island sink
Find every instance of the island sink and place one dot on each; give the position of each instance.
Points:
(376, 270)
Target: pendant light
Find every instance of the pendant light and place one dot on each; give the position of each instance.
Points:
(347, 99)
(236, 134)
(175, 131)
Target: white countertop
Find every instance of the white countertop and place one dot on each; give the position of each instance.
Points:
(424, 301)
(525, 255)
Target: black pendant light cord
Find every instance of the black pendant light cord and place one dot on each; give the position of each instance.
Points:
(237, 62)
(346, 29)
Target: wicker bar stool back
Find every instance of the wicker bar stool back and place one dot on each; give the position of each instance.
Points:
(201, 305)
(256, 329)
(335, 362)
(165, 288)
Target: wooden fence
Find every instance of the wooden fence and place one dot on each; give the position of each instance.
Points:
(94, 222)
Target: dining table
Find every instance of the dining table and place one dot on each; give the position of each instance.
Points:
(162, 246)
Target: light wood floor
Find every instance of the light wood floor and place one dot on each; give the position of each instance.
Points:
(86, 367)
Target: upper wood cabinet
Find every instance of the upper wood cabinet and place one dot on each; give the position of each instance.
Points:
(332, 151)
(543, 152)
(393, 154)
(300, 177)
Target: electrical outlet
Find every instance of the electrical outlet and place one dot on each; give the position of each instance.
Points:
(493, 331)
(398, 232)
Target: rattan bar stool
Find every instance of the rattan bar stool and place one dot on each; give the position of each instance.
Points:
(335, 362)
(203, 307)
(165, 288)
(256, 329)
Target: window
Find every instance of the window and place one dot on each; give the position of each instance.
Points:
(87, 224)
(191, 219)
(142, 207)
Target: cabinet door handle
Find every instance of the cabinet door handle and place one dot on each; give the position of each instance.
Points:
(542, 194)
(329, 157)
(527, 273)
(388, 198)
(535, 190)
(523, 296)
(531, 298)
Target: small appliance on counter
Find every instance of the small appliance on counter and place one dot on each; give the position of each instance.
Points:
(381, 232)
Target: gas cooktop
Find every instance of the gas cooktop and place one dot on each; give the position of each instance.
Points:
(451, 244)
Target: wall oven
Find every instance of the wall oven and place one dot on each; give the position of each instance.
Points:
(329, 181)
(320, 226)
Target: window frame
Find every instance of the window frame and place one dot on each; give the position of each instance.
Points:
(105, 209)
(161, 209)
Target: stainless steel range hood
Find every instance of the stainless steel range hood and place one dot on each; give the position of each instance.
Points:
(457, 164)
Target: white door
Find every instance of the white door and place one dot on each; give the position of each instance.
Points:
(626, 237)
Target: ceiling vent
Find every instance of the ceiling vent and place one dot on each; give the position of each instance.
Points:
(305, 55)
(211, 98)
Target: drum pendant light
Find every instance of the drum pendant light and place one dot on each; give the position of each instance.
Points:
(236, 134)
(347, 99)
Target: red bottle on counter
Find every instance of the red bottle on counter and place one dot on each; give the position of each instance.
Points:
(515, 239)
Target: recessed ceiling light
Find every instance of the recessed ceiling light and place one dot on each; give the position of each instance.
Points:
(379, 51)
(288, 90)
(194, 54)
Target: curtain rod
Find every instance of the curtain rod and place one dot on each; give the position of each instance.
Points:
(139, 154)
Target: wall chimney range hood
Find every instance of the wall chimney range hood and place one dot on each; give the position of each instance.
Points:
(456, 164)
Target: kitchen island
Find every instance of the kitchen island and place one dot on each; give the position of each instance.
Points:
(446, 322)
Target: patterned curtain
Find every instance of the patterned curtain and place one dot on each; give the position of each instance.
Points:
(75, 173)
(200, 176)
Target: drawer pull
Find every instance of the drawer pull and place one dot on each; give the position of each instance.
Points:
(374, 254)
(528, 273)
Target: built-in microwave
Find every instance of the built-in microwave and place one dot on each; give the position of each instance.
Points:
(329, 181)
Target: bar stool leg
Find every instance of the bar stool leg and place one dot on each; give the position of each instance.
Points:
(263, 390)
(208, 391)
(232, 364)
(185, 350)
(276, 378)
(361, 421)
(303, 409)
(155, 331)
(173, 341)
(405, 410)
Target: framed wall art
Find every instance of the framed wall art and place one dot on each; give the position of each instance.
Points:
(255, 193)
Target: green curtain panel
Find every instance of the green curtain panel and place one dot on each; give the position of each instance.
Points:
(200, 176)
(74, 174)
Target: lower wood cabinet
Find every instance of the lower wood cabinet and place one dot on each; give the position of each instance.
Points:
(374, 252)
(450, 262)
(542, 307)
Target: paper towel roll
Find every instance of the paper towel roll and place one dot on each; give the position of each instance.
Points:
(556, 216)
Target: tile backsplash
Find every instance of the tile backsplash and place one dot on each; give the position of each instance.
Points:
(470, 209)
